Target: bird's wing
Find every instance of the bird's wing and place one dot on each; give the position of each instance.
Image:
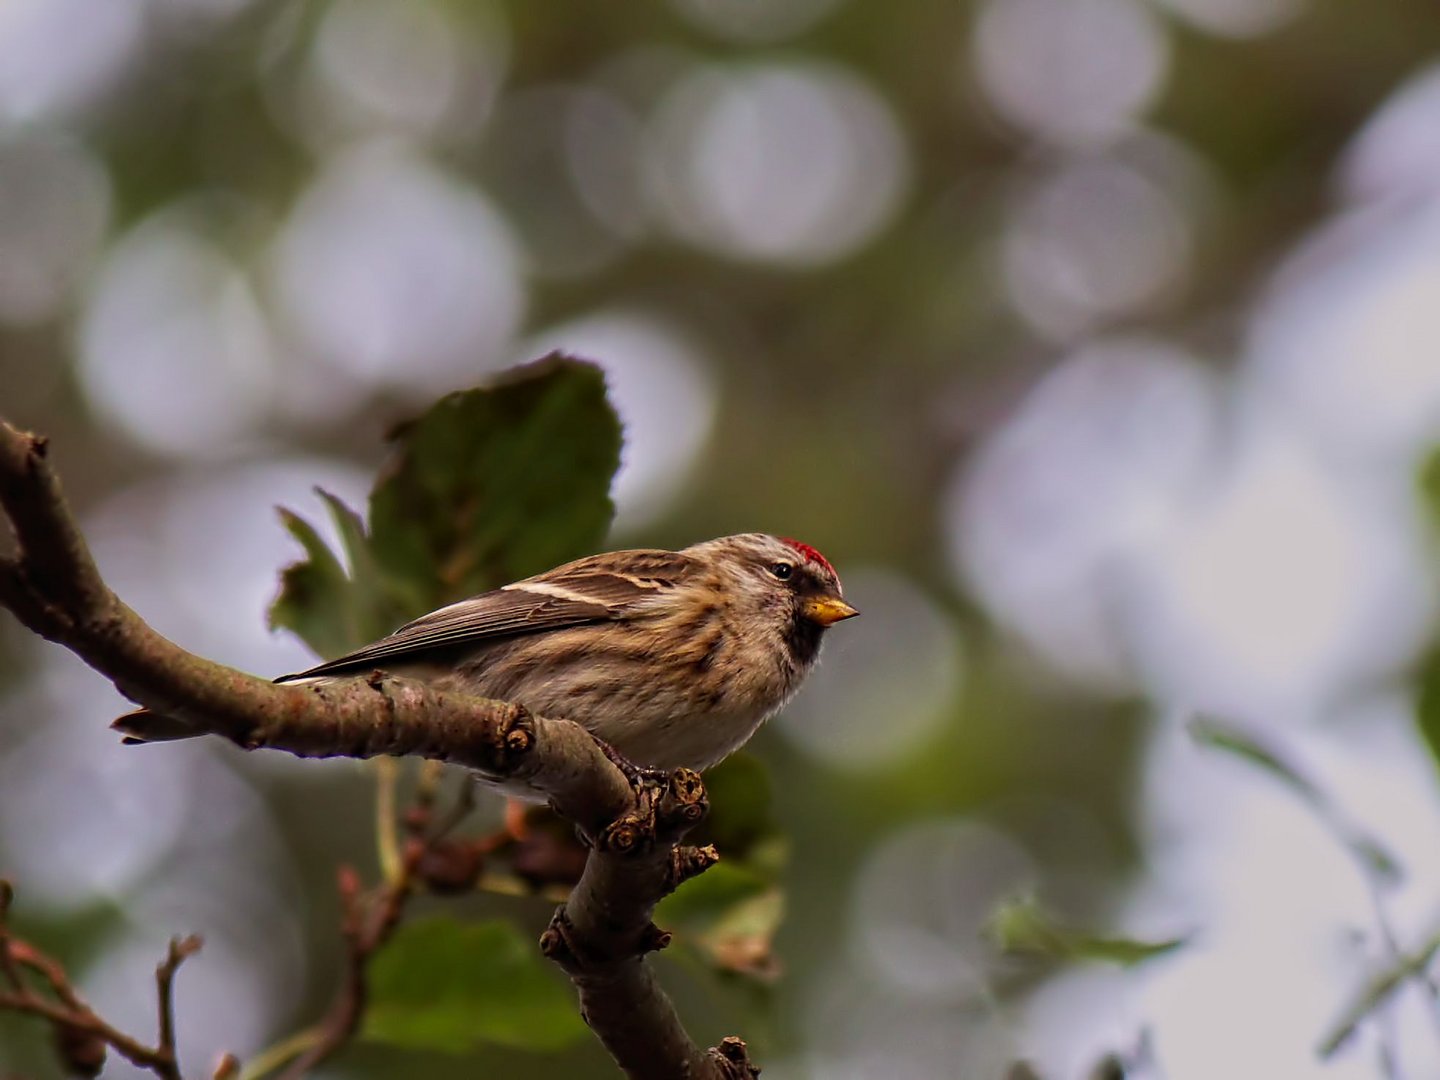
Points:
(594, 589)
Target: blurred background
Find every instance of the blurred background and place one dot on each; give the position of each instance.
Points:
(1097, 342)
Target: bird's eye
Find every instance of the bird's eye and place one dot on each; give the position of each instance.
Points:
(782, 570)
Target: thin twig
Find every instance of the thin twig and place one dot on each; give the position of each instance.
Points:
(273, 1057)
(69, 1013)
(1376, 992)
(180, 948)
(387, 837)
(367, 923)
(8, 966)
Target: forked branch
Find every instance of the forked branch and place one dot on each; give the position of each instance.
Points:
(600, 935)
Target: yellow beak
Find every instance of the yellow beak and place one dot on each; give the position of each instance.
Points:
(827, 610)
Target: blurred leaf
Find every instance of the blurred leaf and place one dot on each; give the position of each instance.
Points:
(1430, 486)
(1427, 704)
(742, 939)
(316, 600)
(729, 916)
(1372, 855)
(496, 484)
(1021, 925)
(741, 811)
(445, 985)
(704, 899)
(1248, 747)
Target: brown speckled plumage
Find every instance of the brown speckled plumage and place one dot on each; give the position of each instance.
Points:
(673, 657)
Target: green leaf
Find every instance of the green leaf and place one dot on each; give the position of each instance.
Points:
(499, 483)
(1021, 926)
(1368, 851)
(316, 600)
(741, 807)
(729, 916)
(448, 986)
(1248, 747)
(488, 486)
(1427, 704)
(375, 609)
(1430, 486)
(702, 900)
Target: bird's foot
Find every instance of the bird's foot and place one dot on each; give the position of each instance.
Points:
(636, 774)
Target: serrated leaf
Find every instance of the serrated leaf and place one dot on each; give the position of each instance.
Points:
(1021, 926)
(499, 483)
(1368, 851)
(374, 609)
(352, 534)
(315, 599)
(448, 986)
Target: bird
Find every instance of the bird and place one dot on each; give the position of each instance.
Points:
(670, 658)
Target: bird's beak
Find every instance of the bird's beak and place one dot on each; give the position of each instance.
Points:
(827, 610)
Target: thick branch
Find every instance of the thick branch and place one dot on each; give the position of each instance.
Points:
(601, 934)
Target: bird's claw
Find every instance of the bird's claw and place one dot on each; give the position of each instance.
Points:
(638, 775)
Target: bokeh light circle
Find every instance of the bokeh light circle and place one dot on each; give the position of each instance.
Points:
(1285, 587)
(797, 163)
(157, 546)
(1346, 341)
(663, 390)
(390, 63)
(175, 349)
(922, 898)
(755, 21)
(1089, 470)
(59, 59)
(54, 208)
(1070, 72)
(398, 274)
(1096, 240)
(1396, 154)
(1239, 19)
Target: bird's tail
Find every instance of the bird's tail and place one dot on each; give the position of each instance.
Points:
(142, 726)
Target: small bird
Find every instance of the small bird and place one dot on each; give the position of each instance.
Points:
(672, 658)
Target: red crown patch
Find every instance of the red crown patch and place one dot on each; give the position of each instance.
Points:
(809, 554)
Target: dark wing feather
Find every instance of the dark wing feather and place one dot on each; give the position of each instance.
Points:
(594, 589)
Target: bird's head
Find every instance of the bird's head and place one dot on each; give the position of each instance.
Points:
(782, 575)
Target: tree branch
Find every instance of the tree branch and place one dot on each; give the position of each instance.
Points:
(367, 923)
(600, 935)
(80, 1034)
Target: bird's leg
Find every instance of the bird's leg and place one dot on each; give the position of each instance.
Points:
(636, 774)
